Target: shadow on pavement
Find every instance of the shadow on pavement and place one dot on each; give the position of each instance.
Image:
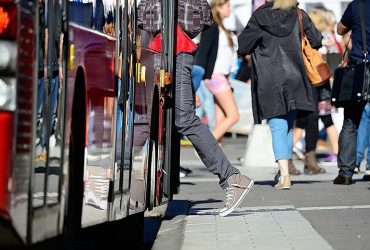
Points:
(194, 203)
(152, 225)
(187, 183)
(151, 228)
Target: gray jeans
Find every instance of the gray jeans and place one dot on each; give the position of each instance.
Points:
(189, 124)
(348, 138)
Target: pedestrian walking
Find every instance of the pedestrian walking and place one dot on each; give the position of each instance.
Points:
(353, 111)
(188, 123)
(217, 55)
(363, 142)
(308, 121)
(280, 86)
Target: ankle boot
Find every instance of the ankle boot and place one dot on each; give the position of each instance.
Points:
(284, 183)
(292, 169)
(310, 164)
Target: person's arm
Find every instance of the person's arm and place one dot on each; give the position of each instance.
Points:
(205, 46)
(313, 34)
(342, 29)
(345, 24)
(249, 39)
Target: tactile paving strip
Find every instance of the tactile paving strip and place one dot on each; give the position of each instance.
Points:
(281, 227)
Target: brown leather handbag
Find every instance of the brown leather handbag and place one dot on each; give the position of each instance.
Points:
(317, 69)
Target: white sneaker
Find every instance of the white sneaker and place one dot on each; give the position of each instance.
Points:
(239, 186)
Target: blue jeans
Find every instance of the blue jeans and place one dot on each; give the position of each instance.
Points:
(40, 96)
(207, 107)
(363, 138)
(282, 135)
(53, 107)
(119, 111)
(197, 74)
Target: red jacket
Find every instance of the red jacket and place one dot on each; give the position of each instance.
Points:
(183, 43)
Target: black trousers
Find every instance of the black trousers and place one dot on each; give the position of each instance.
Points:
(348, 138)
(308, 120)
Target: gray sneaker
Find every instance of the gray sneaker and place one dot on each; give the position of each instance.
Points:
(239, 186)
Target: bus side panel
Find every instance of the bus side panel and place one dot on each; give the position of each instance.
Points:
(24, 120)
(95, 53)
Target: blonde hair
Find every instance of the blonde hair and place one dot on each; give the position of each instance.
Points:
(218, 20)
(319, 19)
(284, 4)
(330, 17)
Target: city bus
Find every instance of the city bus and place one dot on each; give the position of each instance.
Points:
(87, 137)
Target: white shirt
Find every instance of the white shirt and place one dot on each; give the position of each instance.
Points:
(226, 61)
(328, 36)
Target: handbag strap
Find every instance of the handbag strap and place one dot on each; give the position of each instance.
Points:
(363, 34)
(300, 20)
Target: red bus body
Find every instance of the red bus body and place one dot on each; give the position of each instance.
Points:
(85, 135)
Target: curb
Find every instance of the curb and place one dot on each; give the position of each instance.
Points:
(171, 231)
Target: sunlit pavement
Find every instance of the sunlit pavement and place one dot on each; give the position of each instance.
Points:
(314, 214)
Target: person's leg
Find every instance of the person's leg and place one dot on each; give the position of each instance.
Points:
(297, 134)
(312, 133)
(331, 131)
(197, 74)
(40, 97)
(282, 143)
(236, 185)
(53, 109)
(119, 111)
(300, 124)
(189, 124)
(367, 171)
(368, 136)
(207, 108)
(363, 136)
(54, 101)
(291, 168)
(220, 117)
(226, 101)
(348, 143)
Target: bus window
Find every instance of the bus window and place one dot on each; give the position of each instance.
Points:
(98, 15)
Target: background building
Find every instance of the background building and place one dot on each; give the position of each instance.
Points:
(242, 9)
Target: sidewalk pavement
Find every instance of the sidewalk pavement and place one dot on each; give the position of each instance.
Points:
(314, 214)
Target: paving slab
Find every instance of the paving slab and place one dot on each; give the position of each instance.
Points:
(277, 227)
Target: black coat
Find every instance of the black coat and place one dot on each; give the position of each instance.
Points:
(206, 54)
(279, 79)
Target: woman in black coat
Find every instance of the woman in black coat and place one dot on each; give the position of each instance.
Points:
(280, 85)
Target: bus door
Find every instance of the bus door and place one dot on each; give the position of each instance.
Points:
(125, 95)
(92, 69)
(136, 94)
(48, 122)
(171, 162)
